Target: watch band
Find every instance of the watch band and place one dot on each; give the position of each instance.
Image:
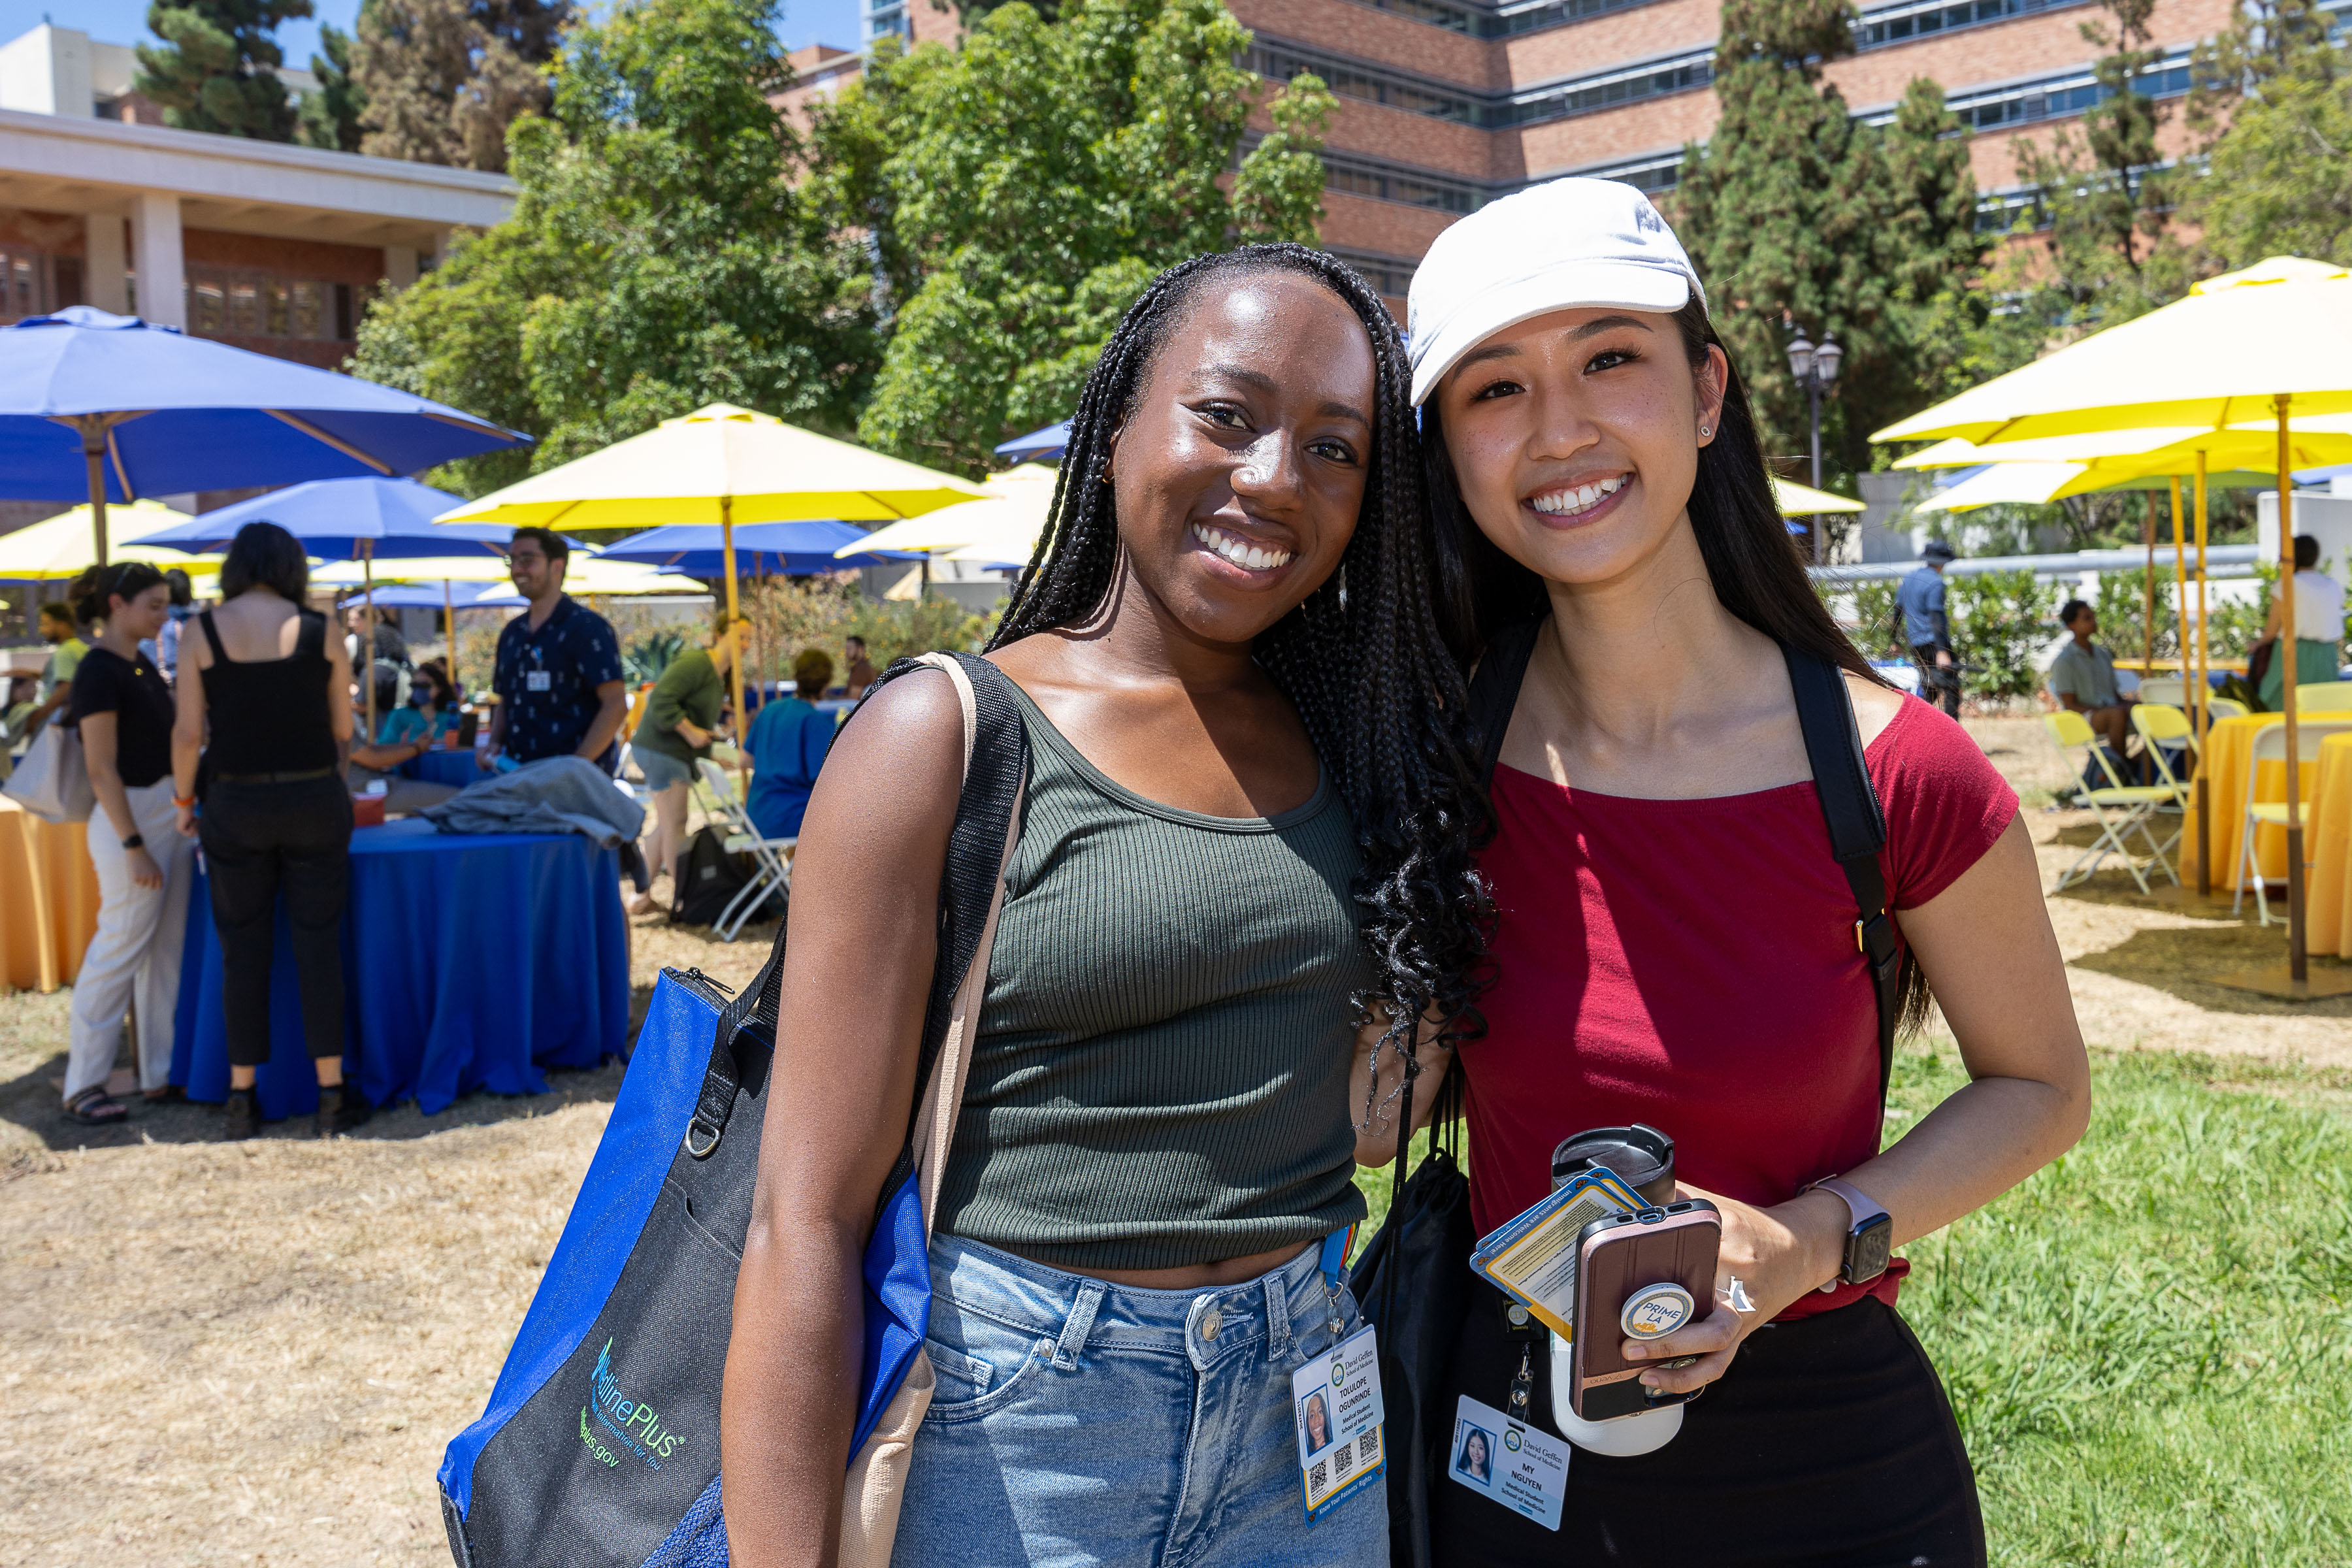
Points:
(135, 841)
(1862, 1210)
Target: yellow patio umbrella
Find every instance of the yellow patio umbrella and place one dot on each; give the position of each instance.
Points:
(2258, 347)
(1014, 505)
(721, 465)
(59, 547)
(1803, 500)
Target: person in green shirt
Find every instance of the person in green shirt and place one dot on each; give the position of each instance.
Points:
(59, 630)
(430, 713)
(681, 721)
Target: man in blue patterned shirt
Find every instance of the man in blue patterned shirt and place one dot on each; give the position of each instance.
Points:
(558, 675)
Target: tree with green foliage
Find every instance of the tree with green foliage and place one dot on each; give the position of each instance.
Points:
(1805, 219)
(2272, 99)
(441, 80)
(1020, 191)
(661, 254)
(217, 67)
(2106, 251)
(330, 117)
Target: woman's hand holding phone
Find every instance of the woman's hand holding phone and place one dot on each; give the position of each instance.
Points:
(1778, 1254)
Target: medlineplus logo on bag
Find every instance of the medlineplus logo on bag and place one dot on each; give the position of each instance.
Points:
(632, 1423)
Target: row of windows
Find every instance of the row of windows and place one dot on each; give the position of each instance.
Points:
(2053, 98)
(1914, 19)
(1501, 24)
(227, 305)
(1280, 62)
(1902, 21)
(1388, 274)
(1418, 190)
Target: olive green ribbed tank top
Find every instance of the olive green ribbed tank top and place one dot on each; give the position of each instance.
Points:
(1160, 1076)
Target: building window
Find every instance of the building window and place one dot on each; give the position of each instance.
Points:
(24, 284)
(1587, 94)
(1911, 20)
(2051, 97)
(1388, 274)
(248, 305)
(1652, 175)
(1280, 62)
(1415, 188)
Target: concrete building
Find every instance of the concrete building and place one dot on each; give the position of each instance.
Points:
(270, 246)
(1447, 104)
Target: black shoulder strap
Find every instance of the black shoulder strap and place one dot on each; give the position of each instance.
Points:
(1857, 829)
(991, 792)
(310, 641)
(1495, 691)
(212, 636)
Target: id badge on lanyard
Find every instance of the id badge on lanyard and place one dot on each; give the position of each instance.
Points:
(536, 678)
(1335, 1402)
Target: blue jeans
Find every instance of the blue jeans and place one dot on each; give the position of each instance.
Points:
(1079, 1423)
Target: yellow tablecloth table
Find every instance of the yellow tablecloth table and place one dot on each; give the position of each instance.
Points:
(2330, 895)
(48, 900)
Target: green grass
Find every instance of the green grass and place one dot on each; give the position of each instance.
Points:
(2149, 1344)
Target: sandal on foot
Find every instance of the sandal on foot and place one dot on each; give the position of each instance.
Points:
(96, 1107)
(243, 1117)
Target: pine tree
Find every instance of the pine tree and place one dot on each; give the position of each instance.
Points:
(444, 79)
(2271, 96)
(1799, 218)
(217, 67)
(331, 115)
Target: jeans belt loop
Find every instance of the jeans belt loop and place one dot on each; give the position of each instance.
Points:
(1078, 1325)
(1277, 1317)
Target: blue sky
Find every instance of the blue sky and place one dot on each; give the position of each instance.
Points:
(830, 22)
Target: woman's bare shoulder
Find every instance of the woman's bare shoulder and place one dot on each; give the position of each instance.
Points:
(1874, 706)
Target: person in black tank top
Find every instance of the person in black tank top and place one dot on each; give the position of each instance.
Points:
(276, 817)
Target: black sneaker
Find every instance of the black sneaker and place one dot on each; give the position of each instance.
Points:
(243, 1118)
(342, 1110)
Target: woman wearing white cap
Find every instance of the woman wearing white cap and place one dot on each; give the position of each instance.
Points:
(1674, 943)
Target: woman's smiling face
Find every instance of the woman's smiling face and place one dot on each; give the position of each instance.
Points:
(1574, 437)
(1241, 469)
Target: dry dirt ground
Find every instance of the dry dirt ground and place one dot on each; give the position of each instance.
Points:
(215, 1353)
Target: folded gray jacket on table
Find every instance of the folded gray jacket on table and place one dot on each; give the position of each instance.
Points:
(553, 794)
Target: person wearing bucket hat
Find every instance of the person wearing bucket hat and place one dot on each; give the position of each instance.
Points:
(1674, 944)
(1927, 627)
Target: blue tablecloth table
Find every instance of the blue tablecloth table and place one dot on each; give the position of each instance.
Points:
(470, 962)
(456, 769)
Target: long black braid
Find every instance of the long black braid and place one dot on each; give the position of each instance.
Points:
(1362, 658)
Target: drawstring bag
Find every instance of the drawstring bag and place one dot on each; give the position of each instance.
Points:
(53, 780)
(600, 1445)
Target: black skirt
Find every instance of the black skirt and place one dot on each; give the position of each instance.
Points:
(1829, 1442)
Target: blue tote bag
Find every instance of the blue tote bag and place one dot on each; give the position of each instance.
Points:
(600, 1445)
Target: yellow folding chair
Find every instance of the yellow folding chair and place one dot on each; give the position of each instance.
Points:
(2323, 697)
(2120, 808)
(2167, 736)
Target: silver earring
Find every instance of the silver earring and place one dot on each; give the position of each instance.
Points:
(1704, 432)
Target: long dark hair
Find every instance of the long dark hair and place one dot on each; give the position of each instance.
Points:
(1362, 658)
(95, 586)
(1755, 570)
(265, 555)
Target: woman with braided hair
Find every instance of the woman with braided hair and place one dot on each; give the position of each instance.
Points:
(1247, 827)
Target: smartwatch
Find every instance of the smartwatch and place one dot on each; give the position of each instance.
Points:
(1869, 1236)
(134, 842)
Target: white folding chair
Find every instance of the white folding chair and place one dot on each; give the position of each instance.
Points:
(2219, 708)
(2133, 805)
(2270, 746)
(773, 857)
(2323, 697)
(2168, 690)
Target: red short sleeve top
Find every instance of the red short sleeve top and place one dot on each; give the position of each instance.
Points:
(1691, 964)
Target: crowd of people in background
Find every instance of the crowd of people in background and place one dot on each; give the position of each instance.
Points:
(259, 757)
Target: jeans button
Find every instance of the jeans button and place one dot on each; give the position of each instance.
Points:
(1211, 1321)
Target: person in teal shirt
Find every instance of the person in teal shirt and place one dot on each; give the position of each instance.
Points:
(788, 742)
(432, 709)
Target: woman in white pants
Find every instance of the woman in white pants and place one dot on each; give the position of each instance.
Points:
(124, 711)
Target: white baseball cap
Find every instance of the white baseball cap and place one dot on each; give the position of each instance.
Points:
(1566, 244)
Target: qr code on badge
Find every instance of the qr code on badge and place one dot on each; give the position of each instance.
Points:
(1343, 1458)
(1319, 1478)
(1368, 1447)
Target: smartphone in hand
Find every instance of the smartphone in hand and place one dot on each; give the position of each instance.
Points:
(1639, 1275)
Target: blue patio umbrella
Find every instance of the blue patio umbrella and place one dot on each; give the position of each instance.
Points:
(103, 407)
(1038, 445)
(443, 596)
(761, 549)
(347, 519)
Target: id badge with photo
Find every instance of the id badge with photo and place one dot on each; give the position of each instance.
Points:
(1335, 1402)
(1515, 1464)
(538, 681)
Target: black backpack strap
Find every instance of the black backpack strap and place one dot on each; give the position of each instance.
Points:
(993, 772)
(1857, 830)
(1495, 691)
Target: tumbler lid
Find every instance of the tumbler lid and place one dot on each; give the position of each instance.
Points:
(1643, 1157)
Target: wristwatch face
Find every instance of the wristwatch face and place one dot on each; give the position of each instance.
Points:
(1867, 1248)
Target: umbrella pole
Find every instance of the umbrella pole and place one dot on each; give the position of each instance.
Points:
(449, 630)
(2298, 963)
(2205, 710)
(2195, 695)
(2147, 614)
(734, 640)
(93, 448)
(367, 634)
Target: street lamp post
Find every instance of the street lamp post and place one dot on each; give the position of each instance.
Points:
(1816, 370)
